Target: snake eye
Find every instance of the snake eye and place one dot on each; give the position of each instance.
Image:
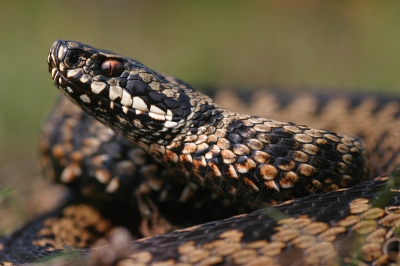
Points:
(111, 68)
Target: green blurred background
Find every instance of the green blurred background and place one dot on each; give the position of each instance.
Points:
(334, 44)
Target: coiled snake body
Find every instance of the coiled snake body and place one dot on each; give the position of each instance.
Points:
(248, 159)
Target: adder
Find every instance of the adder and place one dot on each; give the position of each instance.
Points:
(250, 160)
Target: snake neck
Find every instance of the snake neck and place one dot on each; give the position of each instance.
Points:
(195, 114)
(260, 161)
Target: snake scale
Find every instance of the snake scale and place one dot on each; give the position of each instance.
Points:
(175, 144)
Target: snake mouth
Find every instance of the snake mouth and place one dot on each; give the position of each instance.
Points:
(68, 88)
(60, 81)
(89, 94)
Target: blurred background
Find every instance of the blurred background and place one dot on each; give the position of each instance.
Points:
(350, 45)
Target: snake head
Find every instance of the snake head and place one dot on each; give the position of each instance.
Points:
(122, 93)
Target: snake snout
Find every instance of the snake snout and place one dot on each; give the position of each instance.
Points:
(57, 54)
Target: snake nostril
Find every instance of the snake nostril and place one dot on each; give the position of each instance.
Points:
(74, 58)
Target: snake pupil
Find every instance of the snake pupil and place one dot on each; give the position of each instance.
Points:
(111, 68)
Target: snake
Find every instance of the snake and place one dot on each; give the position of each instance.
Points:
(150, 158)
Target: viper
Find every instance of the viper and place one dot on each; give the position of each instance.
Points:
(159, 122)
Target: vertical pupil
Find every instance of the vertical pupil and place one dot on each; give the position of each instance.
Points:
(111, 68)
